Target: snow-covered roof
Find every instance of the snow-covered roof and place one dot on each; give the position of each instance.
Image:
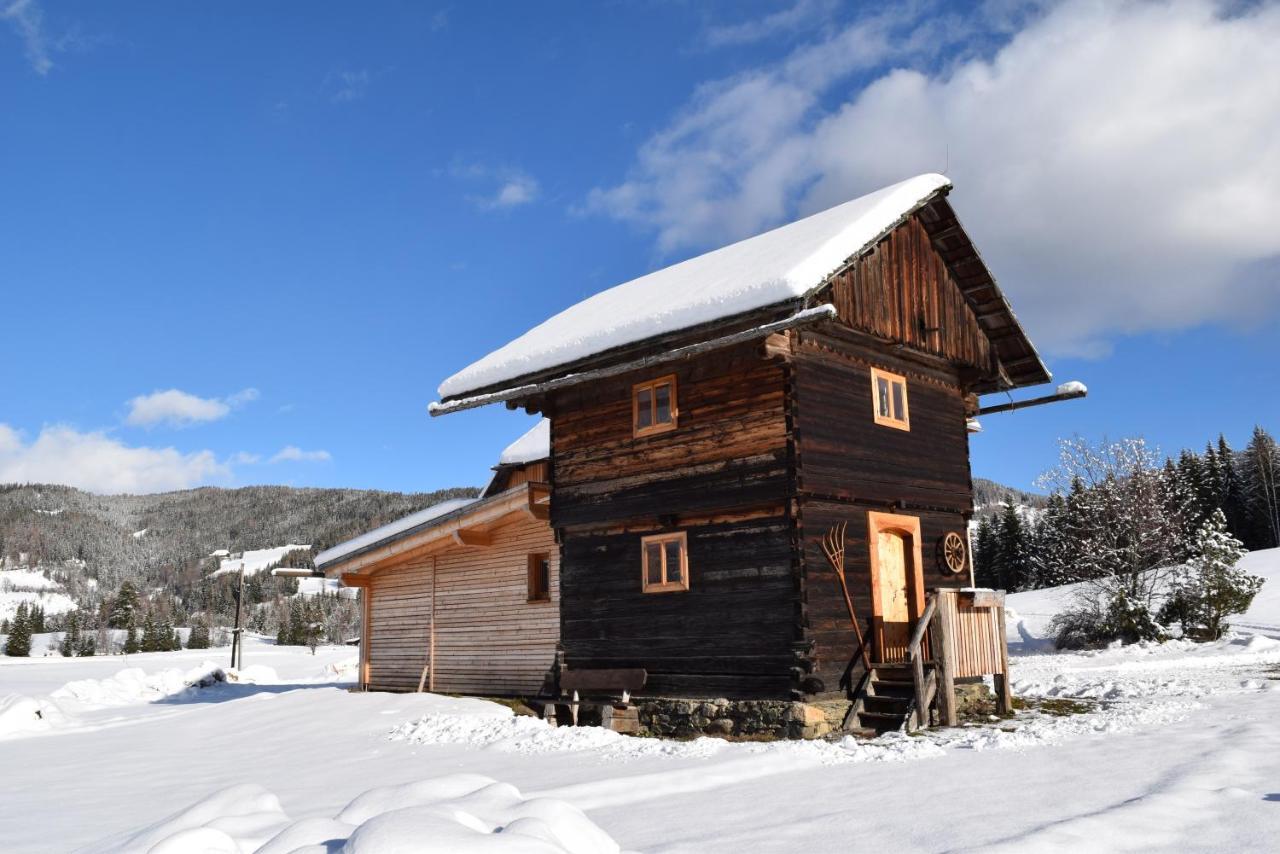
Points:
(534, 445)
(778, 266)
(391, 529)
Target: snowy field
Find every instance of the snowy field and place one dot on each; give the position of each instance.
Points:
(1178, 750)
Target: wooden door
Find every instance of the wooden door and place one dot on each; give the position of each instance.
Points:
(895, 612)
(896, 582)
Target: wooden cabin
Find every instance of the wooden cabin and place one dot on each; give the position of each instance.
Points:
(713, 422)
(462, 597)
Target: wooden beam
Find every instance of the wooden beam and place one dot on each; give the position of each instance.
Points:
(1035, 401)
(804, 317)
(472, 537)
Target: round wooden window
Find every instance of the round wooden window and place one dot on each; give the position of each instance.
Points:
(953, 553)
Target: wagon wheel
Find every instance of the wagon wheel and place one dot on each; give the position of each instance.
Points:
(953, 553)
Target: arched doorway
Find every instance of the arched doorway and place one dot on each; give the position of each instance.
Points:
(897, 582)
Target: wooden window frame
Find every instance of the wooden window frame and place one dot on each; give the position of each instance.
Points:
(536, 596)
(636, 430)
(903, 423)
(665, 586)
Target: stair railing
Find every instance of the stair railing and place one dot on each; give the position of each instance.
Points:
(925, 689)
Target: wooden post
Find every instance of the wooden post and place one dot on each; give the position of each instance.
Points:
(431, 641)
(366, 611)
(1004, 696)
(922, 708)
(237, 653)
(947, 682)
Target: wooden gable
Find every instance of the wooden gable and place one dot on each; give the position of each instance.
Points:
(903, 291)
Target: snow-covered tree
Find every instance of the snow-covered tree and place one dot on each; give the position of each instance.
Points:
(132, 643)
(1127, 518)
(1260, 473)
(124, 607)
(18, 643)
(199, 637)
(1211, 586)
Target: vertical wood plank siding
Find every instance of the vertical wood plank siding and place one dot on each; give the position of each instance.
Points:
(488, 638)
(973, 635)
(724, 477)
(903, 291)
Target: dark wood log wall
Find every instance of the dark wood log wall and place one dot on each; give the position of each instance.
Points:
(729, 451)
(724, 476)
(903, 291)
(769, 453)
(847, 465)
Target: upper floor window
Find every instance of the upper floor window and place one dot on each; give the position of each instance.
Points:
(889, 399)
(665, 562)
(653, 406)
(539, 577)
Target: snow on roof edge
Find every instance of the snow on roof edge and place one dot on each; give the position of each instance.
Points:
(533, 445)
(389, 530)
(785, 263)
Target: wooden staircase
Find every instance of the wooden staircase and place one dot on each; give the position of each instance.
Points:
(885, 702)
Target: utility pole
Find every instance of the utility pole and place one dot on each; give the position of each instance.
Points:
(237, 651)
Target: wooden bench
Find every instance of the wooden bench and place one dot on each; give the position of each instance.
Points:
(608, 689)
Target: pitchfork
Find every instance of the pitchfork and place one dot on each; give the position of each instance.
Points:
(833, 545)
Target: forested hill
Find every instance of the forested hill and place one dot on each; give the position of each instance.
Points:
(161, 539)
(989, 497)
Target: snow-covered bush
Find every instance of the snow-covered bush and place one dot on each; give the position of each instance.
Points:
(1098, 619)
(1121, 525)
(1210, 586)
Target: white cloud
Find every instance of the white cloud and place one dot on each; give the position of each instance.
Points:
(517, 191)
(345, 86)
(292, 453)
(26, 19)
(511, 187)
(1116, 162)
(179, 409)
(99, 463)
(799, 16)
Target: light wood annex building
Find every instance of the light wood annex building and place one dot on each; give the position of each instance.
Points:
(462, 597)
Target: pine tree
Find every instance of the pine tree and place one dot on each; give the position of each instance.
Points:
(88, 645)
(35, 619)
(1211, 587)
(1261, 487)
(1013, 565)
(70, 637)
(1232, 501)
(150, 642)
(124, 607)
(18, 644)
(984, 555)
(131, 642)
(199, 637)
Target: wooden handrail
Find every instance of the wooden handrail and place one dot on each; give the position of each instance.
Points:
(917, 663)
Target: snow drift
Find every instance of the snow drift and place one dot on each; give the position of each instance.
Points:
(457, 814)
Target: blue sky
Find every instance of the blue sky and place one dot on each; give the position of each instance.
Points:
(295, 222)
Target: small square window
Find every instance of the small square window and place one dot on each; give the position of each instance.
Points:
(889, 399)
(653, 406)
(666, 562)
(539, 578)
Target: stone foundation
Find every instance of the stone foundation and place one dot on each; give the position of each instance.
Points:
(679, 718)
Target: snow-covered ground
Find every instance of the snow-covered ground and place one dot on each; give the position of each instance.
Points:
(34, 588)
(1176, 748)
(253, 560)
